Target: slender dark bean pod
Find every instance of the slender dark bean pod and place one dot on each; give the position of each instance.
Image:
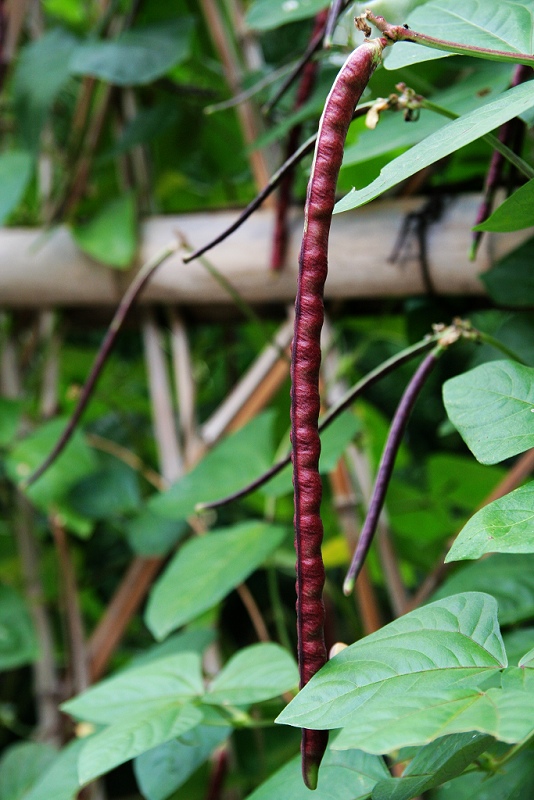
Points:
(396, 432)
(133, 291)
(494, 175)
(305, 148)
(307, 82)
(305, 363)
(336, 7)
(314, 45)
(348, 398)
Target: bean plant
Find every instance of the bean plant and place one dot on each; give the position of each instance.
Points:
(438, 700)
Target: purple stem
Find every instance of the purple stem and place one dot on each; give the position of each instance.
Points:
(396, 432)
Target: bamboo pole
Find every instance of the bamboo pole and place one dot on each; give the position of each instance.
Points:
(38, 271)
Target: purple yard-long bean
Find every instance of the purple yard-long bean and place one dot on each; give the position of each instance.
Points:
(305, 363)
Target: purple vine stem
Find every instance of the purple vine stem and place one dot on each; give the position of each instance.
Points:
(399, 33)
(133, 291)
(396, 432)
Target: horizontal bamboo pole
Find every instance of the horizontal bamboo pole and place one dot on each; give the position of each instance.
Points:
(39, 271)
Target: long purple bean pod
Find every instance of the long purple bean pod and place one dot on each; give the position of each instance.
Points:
(385, 469)
(305, 363)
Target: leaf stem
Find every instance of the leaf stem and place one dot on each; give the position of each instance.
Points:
(487, 338)
(398, 33)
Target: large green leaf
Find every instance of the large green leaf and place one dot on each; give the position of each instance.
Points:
(249, 452)
(161, 771)
(206, 569)
(504, 526)
(510, 282)
(495, 24)
(134, 735)
(18, 643)
(512, 215)
(75, 462)
(492, 407)
(442, 143)
(439, 761)
(42, 70)
(111, 235)
(256, 673)
(138, 689)
(509, 578)
(347, 775)
(263, 15)
(449, 646)
(15, 172)
(20, 767)
(416, 717)
(136, 56)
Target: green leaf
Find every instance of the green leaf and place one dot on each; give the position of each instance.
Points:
(509, 578)
(190, 641)
(137, 56)
(18, 643)
(513, 781)
(491, 406)
(510, 282)
(150, 535)
(175, 678)
(60, 780)
(447, 140)
(264, 15)
(236, 461)
(134, 735)
(206, 569)
(449, 646)
(334, 440)
(16, 168)
(41, 72)
(20, 767)
(161, 771)
(439, 761)
(514, 214)
(504, 526)
(10, 415)
(419, 716)
(347, 775)
(254, 674)
(107, 493)
(111, 235)
(76, 461)
(495, 24)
